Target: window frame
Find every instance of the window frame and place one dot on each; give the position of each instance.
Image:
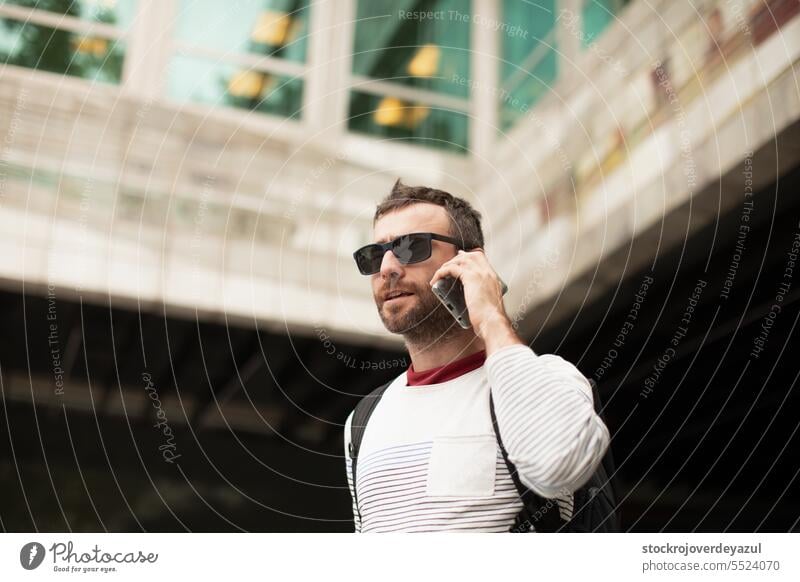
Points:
(75, 25)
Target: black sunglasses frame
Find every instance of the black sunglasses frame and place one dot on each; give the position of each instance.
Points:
(393, 244)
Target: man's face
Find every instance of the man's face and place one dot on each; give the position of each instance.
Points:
(419, 316)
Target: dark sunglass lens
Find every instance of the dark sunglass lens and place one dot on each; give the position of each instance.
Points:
(369, 259)
(412, 248)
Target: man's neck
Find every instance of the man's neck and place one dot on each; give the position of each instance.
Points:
(440, 353)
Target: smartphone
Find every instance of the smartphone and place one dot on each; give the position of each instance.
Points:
(450, 291)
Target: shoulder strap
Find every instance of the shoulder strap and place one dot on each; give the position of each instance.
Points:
(358, 425)
(537, 511)
(608, 459)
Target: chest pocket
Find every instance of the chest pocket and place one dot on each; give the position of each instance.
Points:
(462, 466)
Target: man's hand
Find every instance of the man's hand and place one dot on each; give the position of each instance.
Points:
(483, 296)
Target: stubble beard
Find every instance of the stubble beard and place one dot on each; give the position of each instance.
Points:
(421, 324)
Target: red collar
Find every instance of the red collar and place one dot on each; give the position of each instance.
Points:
(447, 372)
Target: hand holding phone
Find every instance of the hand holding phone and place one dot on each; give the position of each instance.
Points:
(450, 291)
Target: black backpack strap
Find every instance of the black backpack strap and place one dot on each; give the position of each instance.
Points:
(607, 462)
(606, 475)
(537, 512)
(358, 425)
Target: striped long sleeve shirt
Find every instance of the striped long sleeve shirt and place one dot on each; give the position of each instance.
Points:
(429, 460)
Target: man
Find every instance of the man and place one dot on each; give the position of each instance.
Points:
(429, 459)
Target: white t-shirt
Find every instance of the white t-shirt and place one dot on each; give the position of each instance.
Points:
(429, 459)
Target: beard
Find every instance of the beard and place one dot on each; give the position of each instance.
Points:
(423, 322)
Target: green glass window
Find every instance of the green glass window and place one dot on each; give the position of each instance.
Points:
(423, 47)
(27, 43)
(217, 43)
(408, 122)
(530, 64)
(219, 83)
(277, 28)
(596, 16)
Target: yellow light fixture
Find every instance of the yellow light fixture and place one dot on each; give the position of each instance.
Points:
(390, 112)
(271, 28)
(394, 112)
(247, 84)
(90, 45)
(426, 62)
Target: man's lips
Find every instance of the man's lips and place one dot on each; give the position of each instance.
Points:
(396, 295)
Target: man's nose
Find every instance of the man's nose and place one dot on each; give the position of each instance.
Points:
(390, 265)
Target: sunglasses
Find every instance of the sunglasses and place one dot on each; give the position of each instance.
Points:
(408, 248)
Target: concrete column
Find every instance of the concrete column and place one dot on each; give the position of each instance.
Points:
(149, 49)
(331, 33)
(485, 76)
(569, 15)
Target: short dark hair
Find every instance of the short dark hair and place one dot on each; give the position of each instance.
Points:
(465, 221)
